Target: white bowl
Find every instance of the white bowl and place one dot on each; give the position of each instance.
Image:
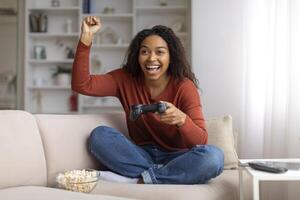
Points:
(78, 180)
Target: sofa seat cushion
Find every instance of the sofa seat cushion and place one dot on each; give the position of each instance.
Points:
(38, 193)
(224, 187)
(22, 158)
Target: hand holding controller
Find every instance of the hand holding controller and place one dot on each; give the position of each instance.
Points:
(138, 109)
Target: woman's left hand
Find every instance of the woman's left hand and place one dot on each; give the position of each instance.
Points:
(172, 116)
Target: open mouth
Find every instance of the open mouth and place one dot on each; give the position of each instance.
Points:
(153, 68)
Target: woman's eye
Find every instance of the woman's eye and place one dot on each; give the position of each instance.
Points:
(160, 52)
(144, 52)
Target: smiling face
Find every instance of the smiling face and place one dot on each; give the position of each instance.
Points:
(154, 58)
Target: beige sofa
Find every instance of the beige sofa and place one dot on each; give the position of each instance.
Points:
(34, 148)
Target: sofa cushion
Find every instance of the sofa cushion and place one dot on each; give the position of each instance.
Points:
(223, 187)
(37, 193)
(220, 133)
(22, 158)
(65, 140)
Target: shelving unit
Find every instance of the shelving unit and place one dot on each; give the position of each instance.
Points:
(121, 20)
(42, 93)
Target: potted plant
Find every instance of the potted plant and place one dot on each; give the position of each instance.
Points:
(62, 75)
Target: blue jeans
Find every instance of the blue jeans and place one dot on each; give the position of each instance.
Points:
(154, 164)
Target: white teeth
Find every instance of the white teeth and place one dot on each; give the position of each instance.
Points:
(152, 67)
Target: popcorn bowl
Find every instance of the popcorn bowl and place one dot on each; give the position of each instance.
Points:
(78, 180)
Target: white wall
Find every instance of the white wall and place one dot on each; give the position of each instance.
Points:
(217, 60)
(217, 51)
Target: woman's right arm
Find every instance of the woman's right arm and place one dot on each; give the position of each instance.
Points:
(82, 81)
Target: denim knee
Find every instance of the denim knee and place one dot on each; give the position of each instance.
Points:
(99, 135)
(214, 155)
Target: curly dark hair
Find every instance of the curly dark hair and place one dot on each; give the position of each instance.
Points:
(179, 67)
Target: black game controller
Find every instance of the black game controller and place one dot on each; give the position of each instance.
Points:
(138, 109)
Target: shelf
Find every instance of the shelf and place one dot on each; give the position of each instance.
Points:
(52, 87)
(56, 10)
(104, 108)
(161, 10)
(63, 113)
(100, 106)
(119, 16)
(53, 34)
(12, 19)
(34, 61)
(110, 46)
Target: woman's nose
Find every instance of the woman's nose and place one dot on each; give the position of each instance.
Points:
(152, 57)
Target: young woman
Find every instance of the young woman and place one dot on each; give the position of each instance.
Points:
(167, 148)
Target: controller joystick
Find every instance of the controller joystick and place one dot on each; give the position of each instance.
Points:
(139, 109)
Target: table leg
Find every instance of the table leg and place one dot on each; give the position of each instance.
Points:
(241, 185)
(255, 183)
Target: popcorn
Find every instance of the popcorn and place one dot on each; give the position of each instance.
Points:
(78, 180)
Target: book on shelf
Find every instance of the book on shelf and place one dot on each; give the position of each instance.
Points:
(86, 6)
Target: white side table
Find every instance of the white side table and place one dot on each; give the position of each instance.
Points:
(257, 176)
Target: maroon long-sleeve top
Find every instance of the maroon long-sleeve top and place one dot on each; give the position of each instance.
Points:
(148, 129)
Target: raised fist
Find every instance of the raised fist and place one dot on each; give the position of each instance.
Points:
(90, 25)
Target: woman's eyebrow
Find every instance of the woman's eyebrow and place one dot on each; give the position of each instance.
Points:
(163, 47)
(144, 46)
(160, 47)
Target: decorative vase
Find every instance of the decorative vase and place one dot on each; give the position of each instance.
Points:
(63, 79)
(55, 3)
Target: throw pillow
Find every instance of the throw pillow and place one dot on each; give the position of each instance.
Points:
(220, 134)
